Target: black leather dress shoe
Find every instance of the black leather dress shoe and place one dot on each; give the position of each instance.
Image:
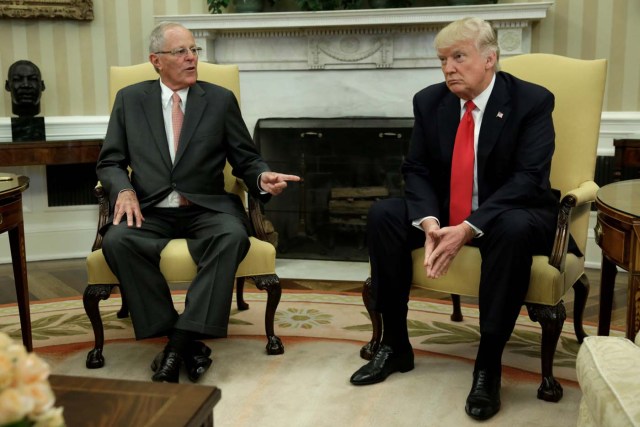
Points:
(384, 363)
(483, 401)
(166, 366)
(197, 360)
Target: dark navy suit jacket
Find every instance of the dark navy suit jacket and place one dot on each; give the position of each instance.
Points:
(515, 147)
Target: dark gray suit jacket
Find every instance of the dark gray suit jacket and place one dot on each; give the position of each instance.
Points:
(213, 131)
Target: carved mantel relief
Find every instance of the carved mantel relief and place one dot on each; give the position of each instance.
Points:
(350, 39)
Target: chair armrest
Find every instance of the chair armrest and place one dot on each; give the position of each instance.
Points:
(585, 193)
(240, 183)
(262, 227)
(103, 214)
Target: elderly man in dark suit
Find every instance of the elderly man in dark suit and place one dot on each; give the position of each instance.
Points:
(175, 135)
(494, 194)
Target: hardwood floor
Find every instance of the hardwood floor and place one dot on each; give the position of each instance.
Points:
(67, 278)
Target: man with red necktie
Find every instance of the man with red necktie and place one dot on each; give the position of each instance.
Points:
(477, 173)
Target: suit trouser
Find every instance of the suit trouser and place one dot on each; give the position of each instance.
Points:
(217, 243)
(507, 248)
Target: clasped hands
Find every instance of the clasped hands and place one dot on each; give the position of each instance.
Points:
(442, 245)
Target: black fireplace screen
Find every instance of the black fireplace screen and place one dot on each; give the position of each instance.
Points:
(346, 164)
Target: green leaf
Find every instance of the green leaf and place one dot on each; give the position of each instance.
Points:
(360, 328)
(233, 321)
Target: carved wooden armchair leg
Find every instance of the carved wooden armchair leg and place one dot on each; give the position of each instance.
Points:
(124, 308)
(456, 314)
(551, 319)
(369, 350)
(581, 293)
(271, 284)
(240, 302)
(91, 301)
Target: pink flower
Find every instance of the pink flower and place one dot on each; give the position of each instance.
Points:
(25, 393)
(31, 369)
(7, 373)
(14, 406)
(42, 396)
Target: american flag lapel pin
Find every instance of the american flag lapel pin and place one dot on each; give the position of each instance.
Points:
(499, 115)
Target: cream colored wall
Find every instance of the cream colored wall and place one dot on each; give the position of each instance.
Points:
(591, 29)
(74, 56)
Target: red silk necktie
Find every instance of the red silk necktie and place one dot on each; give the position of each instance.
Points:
(461, 189)
(176, 120)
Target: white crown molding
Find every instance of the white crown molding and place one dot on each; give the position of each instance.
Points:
(614, 125)
(617, 125)
(64, 128)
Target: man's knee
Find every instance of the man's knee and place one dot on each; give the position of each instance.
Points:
(114, 237)
(385, 211)
(235, 236)
(513, 229)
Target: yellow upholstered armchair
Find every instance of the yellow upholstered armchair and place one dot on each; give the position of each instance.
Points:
(176, 264)
(578, 86)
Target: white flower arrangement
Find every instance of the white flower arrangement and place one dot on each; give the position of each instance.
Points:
(26, 398)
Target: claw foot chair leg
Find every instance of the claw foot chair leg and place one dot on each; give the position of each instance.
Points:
(271, 283)
(91, 300)
(581, 292)
(551, 319)
(369, 349)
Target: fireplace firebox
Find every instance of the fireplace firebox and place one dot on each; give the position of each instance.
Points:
(346, 164)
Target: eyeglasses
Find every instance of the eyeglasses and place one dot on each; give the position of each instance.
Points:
(181, 52)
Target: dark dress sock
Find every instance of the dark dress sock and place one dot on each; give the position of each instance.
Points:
(395, 333)
(490, 353)
(180, 340)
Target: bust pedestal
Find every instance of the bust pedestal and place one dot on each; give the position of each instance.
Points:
(27, 129)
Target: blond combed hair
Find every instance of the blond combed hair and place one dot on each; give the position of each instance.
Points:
(475, 29)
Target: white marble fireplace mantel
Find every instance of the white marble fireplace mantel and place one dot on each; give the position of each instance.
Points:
(349, 39)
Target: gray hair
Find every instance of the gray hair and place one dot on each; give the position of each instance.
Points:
(475, 29)
(156, 39)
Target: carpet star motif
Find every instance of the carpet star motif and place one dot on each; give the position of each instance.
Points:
(302, 318)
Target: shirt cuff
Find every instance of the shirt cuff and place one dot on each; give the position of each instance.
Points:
(476, 231)
(260, 187)
(416, 223)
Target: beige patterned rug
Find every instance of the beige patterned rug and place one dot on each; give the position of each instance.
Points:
(308, 385)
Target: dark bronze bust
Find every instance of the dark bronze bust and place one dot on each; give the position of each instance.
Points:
(25, 83)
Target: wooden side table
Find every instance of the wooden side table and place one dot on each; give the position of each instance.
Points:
(618, 234)
(108, 402)
(49, 152)
(11, 188)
